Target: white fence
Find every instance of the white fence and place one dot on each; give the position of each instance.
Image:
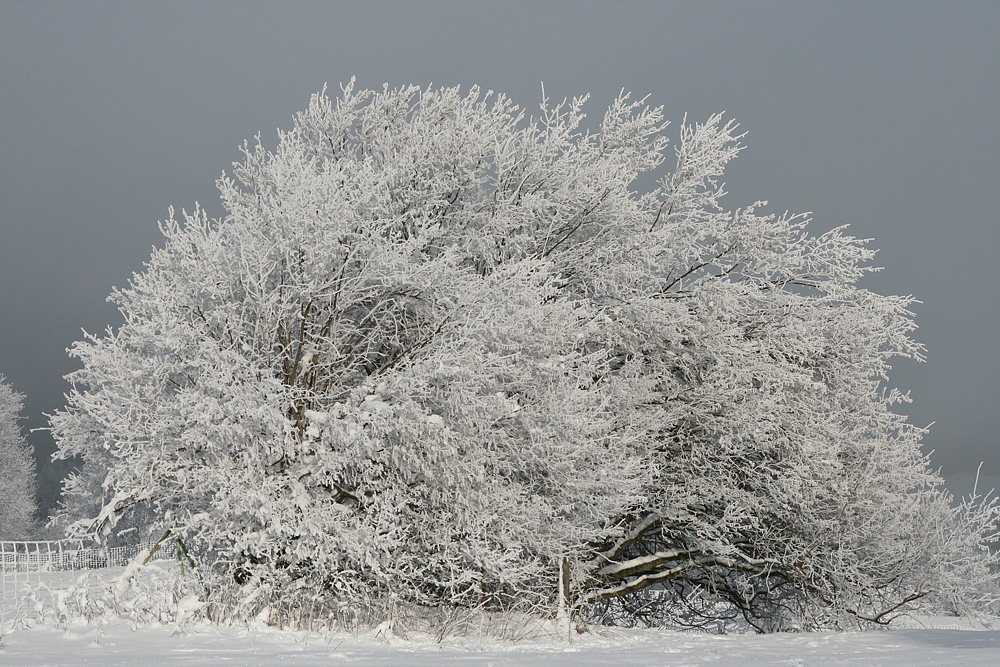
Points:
(67, 555)
(31, 571)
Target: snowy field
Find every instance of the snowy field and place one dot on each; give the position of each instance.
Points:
(118, 644)
(938, 641)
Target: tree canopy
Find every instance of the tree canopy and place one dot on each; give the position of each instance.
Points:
(18, 504)
(442, 353)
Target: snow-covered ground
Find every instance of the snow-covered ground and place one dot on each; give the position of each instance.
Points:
(941, 641)
(119, 644)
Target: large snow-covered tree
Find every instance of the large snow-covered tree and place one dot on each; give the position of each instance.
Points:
(17, 469)
(441, 353)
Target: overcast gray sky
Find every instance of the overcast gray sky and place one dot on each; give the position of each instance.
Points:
(878, 114)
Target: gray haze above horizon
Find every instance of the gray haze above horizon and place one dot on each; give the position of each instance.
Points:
(878, 115)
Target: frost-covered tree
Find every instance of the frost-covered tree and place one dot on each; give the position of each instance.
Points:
(439, 353)
(17, 469)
